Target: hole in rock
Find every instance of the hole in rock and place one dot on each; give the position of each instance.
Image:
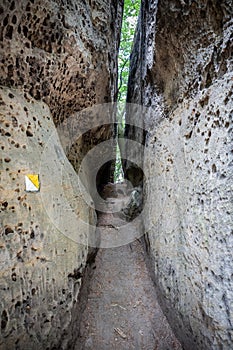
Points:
(4, 320)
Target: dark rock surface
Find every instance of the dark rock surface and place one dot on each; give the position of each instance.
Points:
(61, 52)
(65, 54)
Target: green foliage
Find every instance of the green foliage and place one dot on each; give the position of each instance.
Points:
(130, 16)
(118, 174)
(129, 22)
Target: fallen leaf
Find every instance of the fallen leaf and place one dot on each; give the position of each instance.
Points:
(120, 332)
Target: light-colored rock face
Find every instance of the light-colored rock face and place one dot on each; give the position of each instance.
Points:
(186, 76)
(58, 57)
(190, 177)
(38, 285)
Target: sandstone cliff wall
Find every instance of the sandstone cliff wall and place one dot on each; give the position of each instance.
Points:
(39, 259)
(57, 58)
(181, 69)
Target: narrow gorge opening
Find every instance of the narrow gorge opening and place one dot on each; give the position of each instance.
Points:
(71, 278)
(130, 17)
(117, 314)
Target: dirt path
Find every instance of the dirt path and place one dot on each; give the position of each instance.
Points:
(122, 311)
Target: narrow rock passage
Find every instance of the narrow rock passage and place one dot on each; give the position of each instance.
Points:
(122, 311)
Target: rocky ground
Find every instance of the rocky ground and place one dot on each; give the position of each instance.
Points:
(122, 310)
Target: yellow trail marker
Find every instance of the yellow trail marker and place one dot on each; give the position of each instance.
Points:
(32, 183)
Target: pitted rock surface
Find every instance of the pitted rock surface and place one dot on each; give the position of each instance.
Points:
(61, 52)
(181, 69)
(57, 58)
(39, 286)
(65, 54)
